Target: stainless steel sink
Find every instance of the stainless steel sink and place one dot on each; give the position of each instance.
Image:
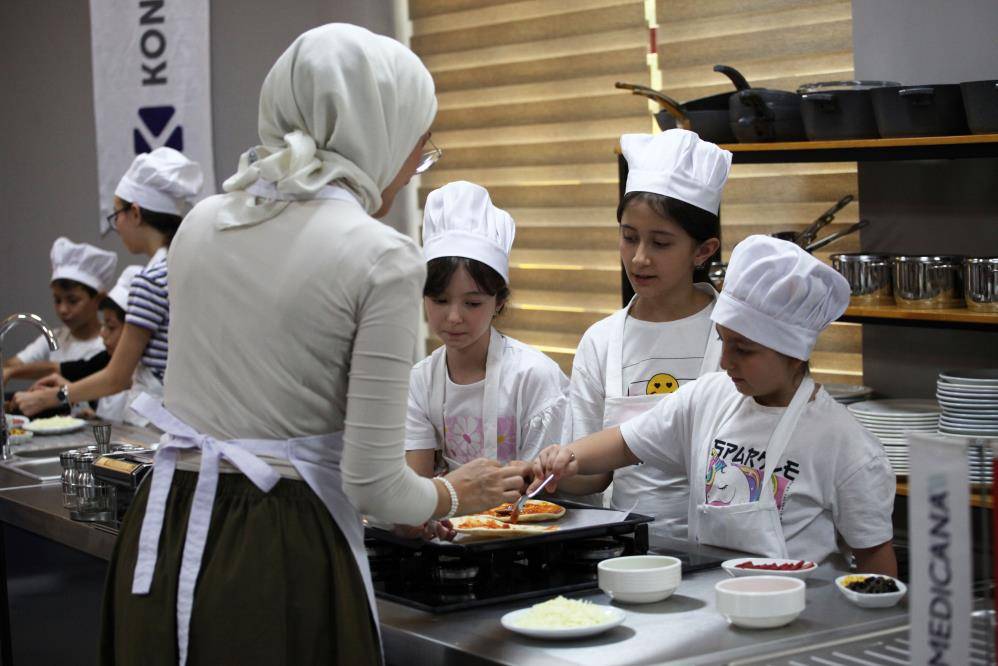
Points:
(39, 469)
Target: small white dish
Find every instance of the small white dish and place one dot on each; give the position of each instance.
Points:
(640, 579)
(885, 600)
(19, 439)
(731, 566)
(614, 617)
(760, 602)
(16, 421)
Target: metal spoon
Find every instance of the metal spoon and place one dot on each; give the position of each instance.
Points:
(520, 503)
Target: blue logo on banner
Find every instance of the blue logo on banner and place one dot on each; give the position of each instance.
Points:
(156, 119)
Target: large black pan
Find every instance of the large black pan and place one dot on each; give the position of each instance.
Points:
(707, 116)
(980, 100)
(761, 114)
(935, 110)
(840, 109)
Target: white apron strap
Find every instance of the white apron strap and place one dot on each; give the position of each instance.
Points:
(712, 350)
(490, 408)
(240, 453)
(614, 372)
(438, 389)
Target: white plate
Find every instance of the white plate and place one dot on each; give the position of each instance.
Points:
(614, 616)
(970, 411)
(847, 391)
(894, 407)
(983, 377)
(969, 432)
(731, 567)
(970, 391)
(42, 430)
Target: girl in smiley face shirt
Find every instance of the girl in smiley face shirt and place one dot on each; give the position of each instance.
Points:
(663, 339)
(482, 394)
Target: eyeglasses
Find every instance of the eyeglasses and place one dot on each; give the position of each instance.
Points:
(429, 158)
(113, 217)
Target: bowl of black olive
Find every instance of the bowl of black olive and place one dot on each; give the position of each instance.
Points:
(871, 590)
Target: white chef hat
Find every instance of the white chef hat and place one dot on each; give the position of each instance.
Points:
(459, 220)
(119, 293)
(779, 296)
(679, 164)
(163, 181)
(83, 263)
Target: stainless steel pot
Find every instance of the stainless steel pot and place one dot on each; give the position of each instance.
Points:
(981, 283)
(869, 277)
(928, 282)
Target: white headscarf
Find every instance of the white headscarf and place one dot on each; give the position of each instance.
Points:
(340, 104)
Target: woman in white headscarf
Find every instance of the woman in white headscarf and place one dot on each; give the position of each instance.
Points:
(294, 323)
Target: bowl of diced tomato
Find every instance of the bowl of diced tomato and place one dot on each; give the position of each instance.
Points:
(769, 566)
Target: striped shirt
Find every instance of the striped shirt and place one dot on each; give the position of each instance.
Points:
(149, 308)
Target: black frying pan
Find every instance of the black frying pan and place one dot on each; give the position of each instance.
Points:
(707, 116)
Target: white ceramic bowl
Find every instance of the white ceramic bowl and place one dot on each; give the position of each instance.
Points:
(885, 600)
(731, 566)
(16, 420)
(760, 602)
(640, 579)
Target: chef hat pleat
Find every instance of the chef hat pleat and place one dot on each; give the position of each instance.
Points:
(83, 263)
(779, 296)
(679, 164)
(460, 220)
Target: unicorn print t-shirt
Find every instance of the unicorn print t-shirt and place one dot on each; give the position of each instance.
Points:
(531, 412)
(833, 478)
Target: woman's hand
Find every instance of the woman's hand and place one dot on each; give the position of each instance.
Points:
(439, 529)
(36, 402)
(482, 484)
(557, 460)
(55, 380)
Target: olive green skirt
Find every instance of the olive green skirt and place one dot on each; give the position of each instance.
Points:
(278, 583)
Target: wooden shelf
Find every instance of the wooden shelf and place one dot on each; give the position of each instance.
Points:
(867, 150)
(975, 497)
(891, 314)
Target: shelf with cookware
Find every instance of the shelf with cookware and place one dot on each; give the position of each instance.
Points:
(960, 146)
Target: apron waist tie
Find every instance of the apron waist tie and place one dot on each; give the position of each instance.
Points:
(242, 454)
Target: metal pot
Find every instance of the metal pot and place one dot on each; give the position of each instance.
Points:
(981, 283)
(868, 275)
(840, 109)
(935, 110)
(980, 101)
(707, 116)
(761, 114)
(928, 282)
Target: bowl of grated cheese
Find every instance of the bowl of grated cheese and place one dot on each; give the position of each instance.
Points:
(563, 618)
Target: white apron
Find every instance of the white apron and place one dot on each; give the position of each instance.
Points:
(490, 403)
(753, 527)
(645, 488)
(316, 459)
(143, 381)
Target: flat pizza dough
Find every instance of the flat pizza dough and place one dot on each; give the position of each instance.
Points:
(486, 526)
(534, 511)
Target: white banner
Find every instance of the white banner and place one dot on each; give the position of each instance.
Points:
(941, 566)
(152, 85)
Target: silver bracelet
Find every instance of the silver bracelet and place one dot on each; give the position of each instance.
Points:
(453, 498)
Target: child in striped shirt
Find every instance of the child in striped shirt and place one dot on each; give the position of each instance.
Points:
(149, 204)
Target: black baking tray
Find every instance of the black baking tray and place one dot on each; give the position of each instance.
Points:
(627, 526)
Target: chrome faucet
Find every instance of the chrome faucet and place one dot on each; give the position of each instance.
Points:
(7, 324)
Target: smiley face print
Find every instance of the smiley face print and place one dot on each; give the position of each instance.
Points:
(662, 383)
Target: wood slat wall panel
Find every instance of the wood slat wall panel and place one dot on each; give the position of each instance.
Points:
(528, 110)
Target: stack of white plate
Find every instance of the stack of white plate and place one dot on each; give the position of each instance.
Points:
(891, 420)
(848, 393)
(969, 399)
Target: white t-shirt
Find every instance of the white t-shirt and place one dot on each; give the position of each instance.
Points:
(531, 413)
(70, 348)
(833, 477)
(658, 357)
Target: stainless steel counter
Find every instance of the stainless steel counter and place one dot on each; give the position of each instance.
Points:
(682, 629)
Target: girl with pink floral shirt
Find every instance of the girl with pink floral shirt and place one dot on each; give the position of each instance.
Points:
(482, 394)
